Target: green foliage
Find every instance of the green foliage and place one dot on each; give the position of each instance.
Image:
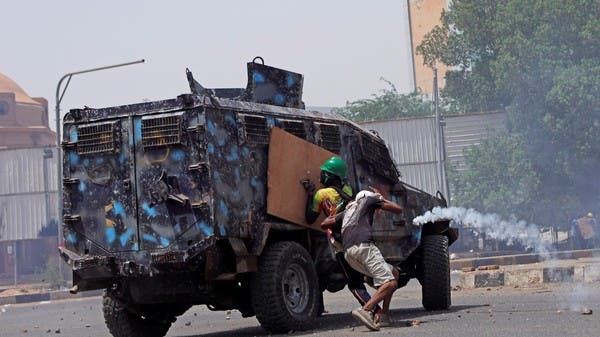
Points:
(539, 59)
(508, 188)
(388, 105)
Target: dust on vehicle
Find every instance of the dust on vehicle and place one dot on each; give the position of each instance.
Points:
(165, 207)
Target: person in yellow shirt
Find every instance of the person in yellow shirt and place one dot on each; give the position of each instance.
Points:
(331, 200)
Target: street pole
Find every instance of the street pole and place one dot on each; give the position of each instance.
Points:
(439, 139)
(59, 97)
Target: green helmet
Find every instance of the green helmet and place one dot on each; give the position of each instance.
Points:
(335, 166)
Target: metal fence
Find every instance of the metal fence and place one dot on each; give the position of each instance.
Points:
(413, 147)
(28, 192)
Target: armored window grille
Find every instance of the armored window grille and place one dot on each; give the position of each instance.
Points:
(161, 131)
(294, 127)
(376, 153)
(96, 138)
(329, 137)
(255, 129)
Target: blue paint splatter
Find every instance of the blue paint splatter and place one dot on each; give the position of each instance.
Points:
(223, 208)
(74, 158)
(289, 81)
(221, 141)
(177, 228)
(205, 228)
(244, 212)
(150, 210)
(236, 172)
(258, 77)
(71, 238)
(86, 162)
(73, 135)
(210, 126)
(211, 148)
(222, 230)
(279, 99)
(137, 133)
(270, 121)
(122, 159)
(149, 237)
(164, 242)
(217, 177)
(178, 155)
(82, 186)
(118, 208)
(233, 154)
(110, 235)
(135, 246)
(229, 118)
(245, 151)
(99, 160)
(254, 182)
(125, 236)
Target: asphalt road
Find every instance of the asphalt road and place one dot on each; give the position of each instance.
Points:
(548, 311)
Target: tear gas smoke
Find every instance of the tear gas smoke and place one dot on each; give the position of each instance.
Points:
(492, 225)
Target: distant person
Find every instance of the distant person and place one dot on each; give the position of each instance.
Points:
(362, 254)
(585, 232)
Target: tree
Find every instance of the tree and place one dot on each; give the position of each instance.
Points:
(539, 59)
(388, 105)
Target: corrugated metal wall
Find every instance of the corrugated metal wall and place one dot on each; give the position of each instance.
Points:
(463, 131)
(22, 197)
(412, 143)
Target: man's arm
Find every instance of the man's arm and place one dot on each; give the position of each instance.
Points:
(391, 206)
(309, 215)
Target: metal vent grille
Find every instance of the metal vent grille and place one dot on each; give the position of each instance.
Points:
(329, 137)
(255, 129)
(294, 127)
(376, 154)
(161, 131)
(98, 138)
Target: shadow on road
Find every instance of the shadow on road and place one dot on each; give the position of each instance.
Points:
(402, 317)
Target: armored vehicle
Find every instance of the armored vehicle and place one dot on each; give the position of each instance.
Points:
(165, 207)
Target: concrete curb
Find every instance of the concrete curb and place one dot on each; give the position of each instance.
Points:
(531, 275)
(521, 258)
(48, 296)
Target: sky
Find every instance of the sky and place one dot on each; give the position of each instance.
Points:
(342, 47)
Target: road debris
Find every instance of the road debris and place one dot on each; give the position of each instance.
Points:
(585, 311)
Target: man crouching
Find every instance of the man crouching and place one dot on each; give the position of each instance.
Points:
(362, 254)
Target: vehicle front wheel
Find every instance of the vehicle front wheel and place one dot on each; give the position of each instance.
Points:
(435, 280)
(285, 290)
(124, 323)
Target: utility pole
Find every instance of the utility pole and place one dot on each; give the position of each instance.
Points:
(439, 139)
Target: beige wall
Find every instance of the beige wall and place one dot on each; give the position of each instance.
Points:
(24, 124)
(424, 15)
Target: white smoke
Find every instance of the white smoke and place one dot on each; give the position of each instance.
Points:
(492, 225)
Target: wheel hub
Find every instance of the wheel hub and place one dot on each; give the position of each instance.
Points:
(295, 288)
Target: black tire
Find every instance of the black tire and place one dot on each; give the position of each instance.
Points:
(285, 290)
(435, 281)
(123, 323)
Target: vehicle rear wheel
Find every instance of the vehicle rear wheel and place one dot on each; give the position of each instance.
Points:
(124, 323)
(435, 281)
(285, 290)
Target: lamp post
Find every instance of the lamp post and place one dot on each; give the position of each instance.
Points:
(59, 97)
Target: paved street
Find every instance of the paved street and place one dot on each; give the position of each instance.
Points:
(548, 311)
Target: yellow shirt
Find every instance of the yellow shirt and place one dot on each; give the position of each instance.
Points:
(328, 200)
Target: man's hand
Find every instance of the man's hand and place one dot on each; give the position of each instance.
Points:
(328, 222)
(308, 185)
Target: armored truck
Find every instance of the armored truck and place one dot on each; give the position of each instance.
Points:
(166, 206)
